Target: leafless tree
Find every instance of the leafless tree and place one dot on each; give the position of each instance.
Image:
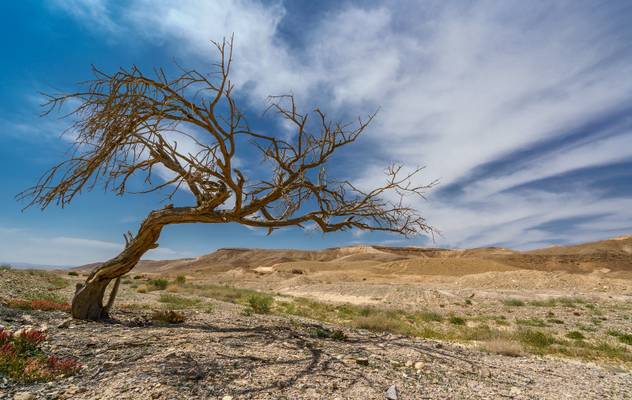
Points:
(127, 124)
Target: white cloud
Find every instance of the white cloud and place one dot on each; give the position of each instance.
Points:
(95, 11)
(459, 86)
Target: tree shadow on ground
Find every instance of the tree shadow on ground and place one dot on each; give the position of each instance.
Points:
(244, 360)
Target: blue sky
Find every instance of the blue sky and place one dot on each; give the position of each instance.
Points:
(520, 109)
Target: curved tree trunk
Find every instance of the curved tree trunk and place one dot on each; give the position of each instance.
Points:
(87, 303)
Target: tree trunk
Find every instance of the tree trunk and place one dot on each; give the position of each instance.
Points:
(87, 303)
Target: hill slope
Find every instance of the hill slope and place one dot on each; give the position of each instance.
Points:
(612, 255)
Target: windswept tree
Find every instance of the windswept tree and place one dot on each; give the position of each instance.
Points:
(129, 124)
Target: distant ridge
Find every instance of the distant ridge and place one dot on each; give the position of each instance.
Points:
(613, 254)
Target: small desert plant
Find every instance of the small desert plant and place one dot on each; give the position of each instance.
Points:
(47, 303)
(570, 301)
(454, 320)
(514, 303)
(5, 267)
(157, 284)
(503, 346)
(180, 280)
(536, 339)
(297, 271)
(544, 303)
(142, 289)
(168, 317)
(42, 305)
(531, 322)
(381, 322)
(73, 273)
(22, 359)
(430, 316)
(260, 303)
(177, 301)
(625, 338)
(575, 335)
(324, 333)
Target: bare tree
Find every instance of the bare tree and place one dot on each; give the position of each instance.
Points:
(127, 124)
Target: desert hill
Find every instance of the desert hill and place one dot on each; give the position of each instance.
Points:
(612, 256)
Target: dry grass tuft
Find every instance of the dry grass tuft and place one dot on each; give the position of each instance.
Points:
(504, 347)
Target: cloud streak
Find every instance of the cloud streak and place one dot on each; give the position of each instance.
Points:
(460, 88)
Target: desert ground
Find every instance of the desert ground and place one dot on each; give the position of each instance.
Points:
(362, 322)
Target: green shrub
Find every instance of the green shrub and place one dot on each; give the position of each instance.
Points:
(544, 303)
(5, 267)
(454, 320)
(324, 333)
(531, 322)
(429, 316)
(575, 335)
(380, 322)
(571, 301)
(260, 303)
(536, 339)
(625, 338)
(158, 284)
(180, 280)
(221, 292)
(514, 302)
(174, 301)
(73, 273)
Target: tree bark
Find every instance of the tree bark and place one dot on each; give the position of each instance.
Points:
(87, 303)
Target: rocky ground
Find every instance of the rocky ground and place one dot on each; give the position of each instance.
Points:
(225, 354)
(222, 352)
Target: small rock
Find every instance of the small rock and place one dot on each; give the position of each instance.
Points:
(362, 361)
(419, 365)
(227, 397)
(24, 396)
(391, 393)
(409, 363)
(28, 319)
(65, 323)
(514, 391)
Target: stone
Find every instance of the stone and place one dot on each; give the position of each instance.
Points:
(485, 372)
(409, 363)
(24, 396)
(362, 361)
(227, 397)
(419, 365)
(391, 393)
(514, 391)
(65, 323)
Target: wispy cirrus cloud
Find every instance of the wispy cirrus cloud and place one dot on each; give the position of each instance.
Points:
(497, 87)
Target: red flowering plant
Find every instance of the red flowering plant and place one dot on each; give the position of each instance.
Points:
(23, 360)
